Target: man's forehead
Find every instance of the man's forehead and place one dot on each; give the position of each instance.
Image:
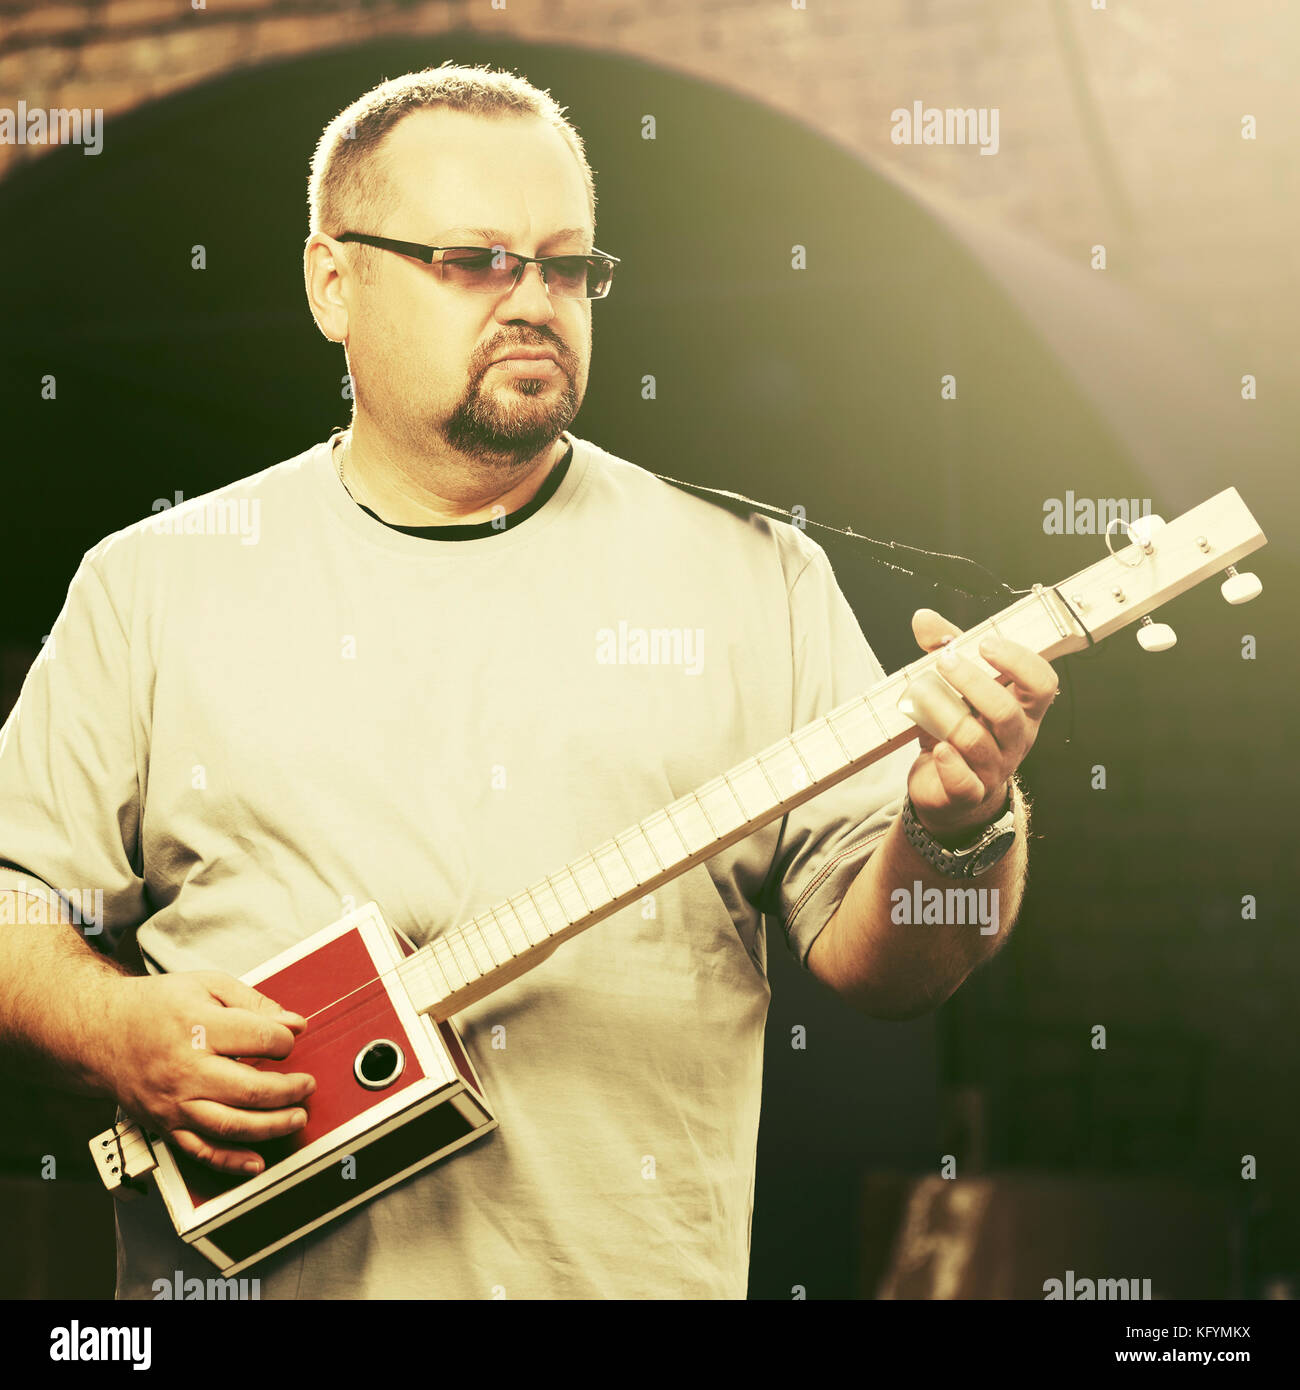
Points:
(443, 155)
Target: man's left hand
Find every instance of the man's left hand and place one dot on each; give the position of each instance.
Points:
(960, 784)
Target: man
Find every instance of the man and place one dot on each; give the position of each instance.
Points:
(400, 684)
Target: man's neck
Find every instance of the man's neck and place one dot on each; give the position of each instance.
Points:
(448, 495)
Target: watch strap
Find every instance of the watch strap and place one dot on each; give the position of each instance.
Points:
(958, 863)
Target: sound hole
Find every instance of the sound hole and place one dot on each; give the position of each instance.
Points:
(379, 1064)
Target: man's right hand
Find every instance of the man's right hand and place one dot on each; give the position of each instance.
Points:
(171, 1043)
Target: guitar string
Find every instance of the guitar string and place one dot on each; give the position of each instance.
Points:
(462, 933)
(800, 522)
(845, 531)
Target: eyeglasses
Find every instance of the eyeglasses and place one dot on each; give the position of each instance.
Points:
(494, 270)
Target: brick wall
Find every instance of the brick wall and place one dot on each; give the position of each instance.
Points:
(1120, 125)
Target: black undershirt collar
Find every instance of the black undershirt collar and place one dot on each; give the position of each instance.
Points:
(474, 530)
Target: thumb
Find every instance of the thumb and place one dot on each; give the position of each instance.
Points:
(931, 628)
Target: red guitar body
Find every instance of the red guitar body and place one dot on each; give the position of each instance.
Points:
(395, 1091)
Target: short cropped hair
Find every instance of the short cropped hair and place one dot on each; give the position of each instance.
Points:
(348, 185)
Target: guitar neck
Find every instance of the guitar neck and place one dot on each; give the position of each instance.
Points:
(514, 936)
(464, 965)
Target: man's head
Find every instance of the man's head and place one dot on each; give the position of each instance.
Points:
(452, 156)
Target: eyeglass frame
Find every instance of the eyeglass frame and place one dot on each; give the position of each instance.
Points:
(426, 254)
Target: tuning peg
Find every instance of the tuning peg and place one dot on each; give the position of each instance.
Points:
(1156, 637)
(1240, 588)
(1144, 529)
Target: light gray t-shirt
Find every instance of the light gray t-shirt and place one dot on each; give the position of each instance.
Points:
(264, 708)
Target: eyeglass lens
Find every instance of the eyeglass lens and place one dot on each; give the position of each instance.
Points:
(490, 272)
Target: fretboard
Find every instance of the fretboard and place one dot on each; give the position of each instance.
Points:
(469, 962)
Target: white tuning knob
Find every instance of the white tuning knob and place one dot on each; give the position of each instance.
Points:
(1144, 529)
(1240, 588)
(1156, 637)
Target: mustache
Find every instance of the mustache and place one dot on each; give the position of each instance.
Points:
(546, 345)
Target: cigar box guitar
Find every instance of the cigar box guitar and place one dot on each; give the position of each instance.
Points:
(395, 1088)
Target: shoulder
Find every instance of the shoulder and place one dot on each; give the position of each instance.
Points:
(694, 514)
(232, 515)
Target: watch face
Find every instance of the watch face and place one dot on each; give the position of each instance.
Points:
(992, 852)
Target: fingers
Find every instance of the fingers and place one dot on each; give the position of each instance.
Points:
(251, 1025)
(1033, 679)
(241, 1103)
(218, 1156)
(932, 629)
(210, 1120)
(963, 787)
(243, 1087)
(237, 1033)
(236, 994)
(988, 744)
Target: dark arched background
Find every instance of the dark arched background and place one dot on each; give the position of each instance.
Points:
(818, 388)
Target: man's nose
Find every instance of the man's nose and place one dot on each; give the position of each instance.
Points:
(529, 298)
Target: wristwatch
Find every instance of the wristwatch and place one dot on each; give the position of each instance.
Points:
(969, 861)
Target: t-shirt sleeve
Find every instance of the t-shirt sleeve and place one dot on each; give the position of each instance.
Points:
(827, 840)
(69, 778)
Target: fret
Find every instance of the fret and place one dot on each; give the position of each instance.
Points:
(848, 757)
(756, 785)
(652, 826)
(587, 905)
(557, 919)
(816, 748)
(496, 939)
(889, 696)
(691, 814)
(438, 983)
(533, 931)
(745, 816)
(718, 802)
(651, 862)
(442, 978)
(594, 891)
(610, 894)
(704, 811)
(575, 907)
(777, 797)
(803, 774)
(862, 737)
(478, 948)
(672, 819)
(617, 872)
(875, 714)
(463, 956)
(447, 964)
